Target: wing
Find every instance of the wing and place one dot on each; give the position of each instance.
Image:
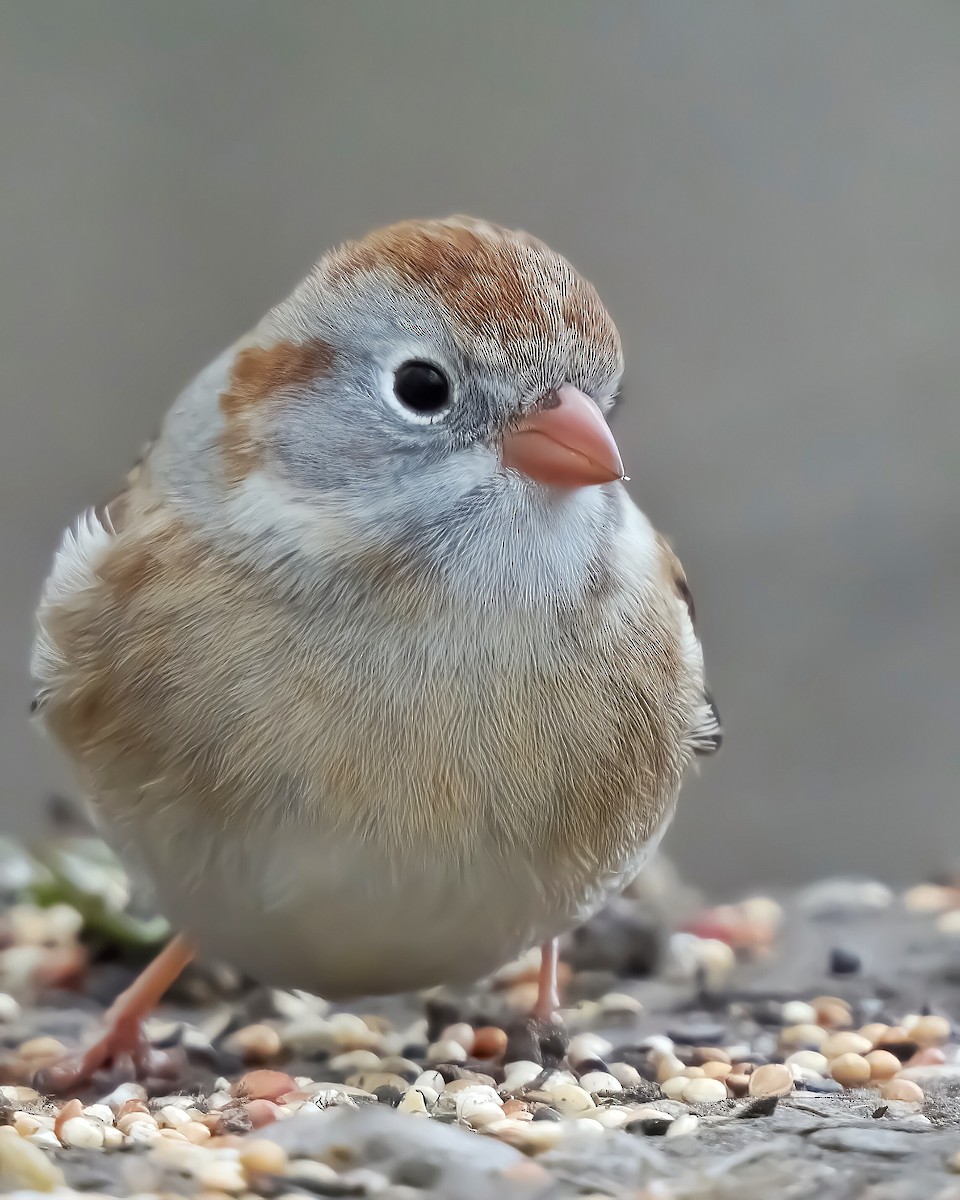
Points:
(707, 733)
(81, 548)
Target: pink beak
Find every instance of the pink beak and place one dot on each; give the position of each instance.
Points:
(568, 444)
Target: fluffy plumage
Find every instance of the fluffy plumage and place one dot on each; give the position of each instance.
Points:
(372, 711)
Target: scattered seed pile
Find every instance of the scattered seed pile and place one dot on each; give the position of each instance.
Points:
(801, 1046)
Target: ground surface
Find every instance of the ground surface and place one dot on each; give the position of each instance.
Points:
(664, 1082)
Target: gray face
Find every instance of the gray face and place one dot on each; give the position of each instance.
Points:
(348, 432)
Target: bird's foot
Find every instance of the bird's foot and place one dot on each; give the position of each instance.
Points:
(123, 1039)
(123, 1044)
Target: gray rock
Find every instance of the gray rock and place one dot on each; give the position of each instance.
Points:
(617, 1162)
(405, 1149)
(841, 897)
(887, 1143)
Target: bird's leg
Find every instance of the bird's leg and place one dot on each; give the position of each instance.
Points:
(548, 997)
(123, 1034)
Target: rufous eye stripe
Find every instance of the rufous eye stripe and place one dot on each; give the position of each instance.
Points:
(261, 374)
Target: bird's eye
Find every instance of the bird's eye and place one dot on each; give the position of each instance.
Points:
(421, 387)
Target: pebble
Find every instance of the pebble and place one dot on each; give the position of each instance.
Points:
(446, 1051)
(651, 1112)
(897, 1041)
(715, 959)
(589, 1126)
(24, 1166)
(262, 1157)
(588, 1045)
(518, 1074)
(704, 1091)
(570, 1098)
(798, 1012)
(673, 1088)
(657, 1043)
(949, 922)
(844, 962)
(314, 1176)
(833, 896)
(683, 1126)
(480, 1114)
(354, 1061)
(221, 1175)
(930, 1031)
(195, 1132)
(81, 1133)
(774, 1079)
(350, 1032)
(26, 1124)
(626, 1075)
(69, 1110)
(40, 1051)
(141, 1131)
(9, 1009)
(600, 1081)
(261, 1112)
(517, 1108)
(612, 1117)
(810, 1060)
(461, 1033)
(254, 1043)
(929, 898)
(651, 1126)
(414, 1101)
(883, 1065)
(532, 1136)
(738, 1084)
(489, 1041)
(126, 1122)
(554, 1079)
(852, 1070)
(48, 1140)
(477, 1093)
(620, 1004)
(803, 1036)
(696, 1034)
(264, 1085)
(929, 1056)
(433, 1080)
(120, 1095)
(308, 1035)
(668, 1067)
(902, 1089)
(832, 1012)
(827, 1087)
(838, 1044)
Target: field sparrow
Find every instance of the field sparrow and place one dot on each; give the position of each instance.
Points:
(373, 667)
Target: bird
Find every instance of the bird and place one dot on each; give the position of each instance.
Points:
(372, 667)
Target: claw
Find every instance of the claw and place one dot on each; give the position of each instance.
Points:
(123, 1038)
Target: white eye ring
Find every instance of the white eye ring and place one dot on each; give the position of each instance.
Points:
(416, 374)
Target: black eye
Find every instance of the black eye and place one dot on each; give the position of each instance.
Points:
(422, 387)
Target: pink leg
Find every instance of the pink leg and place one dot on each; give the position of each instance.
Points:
(123, 1035)
(548, 998)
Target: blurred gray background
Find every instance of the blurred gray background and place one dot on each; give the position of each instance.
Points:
(767, 194)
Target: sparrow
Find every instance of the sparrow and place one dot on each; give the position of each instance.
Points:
(373, 668)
